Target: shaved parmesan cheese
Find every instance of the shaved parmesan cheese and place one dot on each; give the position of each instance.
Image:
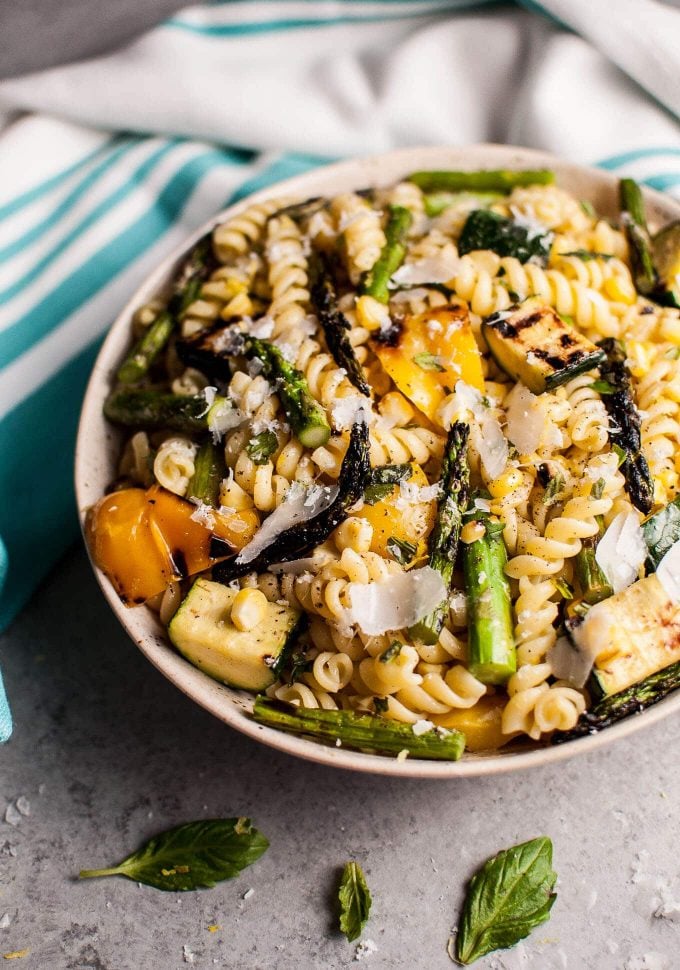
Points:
(529, 424)
(299, 505)
(262, 328)
(396, 602)
(222, 417)
(573, 662)
(203, 514)
(412, 494)
(668, 572)
(486, 434)
(621, 551)
(209, 393)
(422, 727)
(434, 269)
(345, 411)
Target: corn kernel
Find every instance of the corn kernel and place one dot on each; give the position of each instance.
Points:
(248, 609)
(472, 532)
(372, 314)
(506, 483)
(640, 356)
(621, 289)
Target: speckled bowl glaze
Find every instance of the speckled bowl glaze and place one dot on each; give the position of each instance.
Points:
(98, 449)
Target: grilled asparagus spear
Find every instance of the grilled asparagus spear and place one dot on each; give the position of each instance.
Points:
(335, 324)
(376, 280)
(362, 731)
(487, 180)
(153, 409)
(635, 225)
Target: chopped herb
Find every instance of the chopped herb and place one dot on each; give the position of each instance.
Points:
(672, 353)
(597, 488)
(383, 480)
(299, 665)
(568, 319)
(401, 550)
(428, 361)
(355, 901)
(620, 453)
(553, 490)
(564, 589)
(392, 651)
(514, 295)
(262, 446)
(603, 387)
(380, 705)
(510, 895)
(196, 855)
(377, 493)
(588, 254)
(588, 208)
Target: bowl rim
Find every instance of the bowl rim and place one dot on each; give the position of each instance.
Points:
(230, 706)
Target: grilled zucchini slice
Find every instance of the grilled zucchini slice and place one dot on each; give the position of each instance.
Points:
(532, 344)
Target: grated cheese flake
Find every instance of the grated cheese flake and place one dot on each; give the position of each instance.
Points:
(395, 602)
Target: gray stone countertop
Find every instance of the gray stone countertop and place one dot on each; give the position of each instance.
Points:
(107, 753)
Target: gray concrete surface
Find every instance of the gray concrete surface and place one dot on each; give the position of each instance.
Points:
(107, 753)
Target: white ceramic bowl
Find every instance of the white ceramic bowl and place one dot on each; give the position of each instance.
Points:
(98, 449)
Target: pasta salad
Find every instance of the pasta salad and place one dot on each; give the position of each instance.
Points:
(402, 462)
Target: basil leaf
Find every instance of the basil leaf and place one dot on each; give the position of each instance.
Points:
(621, 454)
(564, 589)
(401, 550)
(355, 901)
(672, 353)
(553, 490)
(262, 446)
(380, 705)
(377, 493)
(392, 651)
(597, 488)
(603, 387)
(196, 855)
(588, 254)
(508, 897)
(588, 208)
(383, 480)
(428, 361)
(661, 531)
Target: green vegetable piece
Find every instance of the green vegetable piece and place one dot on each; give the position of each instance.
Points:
(355, 901)
(401, 550)
(491, 645)
(262, 446)
(194, 271)
(624, 429)
(587, 254)
(603, 387)
(588, 208)
(486, 180)
(510, 895)
(488, 230)
(152, 410)
(306, 416)
(361, 731)
(437, 202)
(392, 651)
(592, 581)
(383, 480)
(635, 226)
(335, 325)
(209, 470)
(443, 541)
(196, 855)
(299, 540)
(666, 253)
(554, 490)
(616, 707)
(376, 281)
(431, 362)
(661, 531)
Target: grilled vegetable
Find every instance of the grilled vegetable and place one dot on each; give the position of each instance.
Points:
(443, 542)
(631, 635)
(143, 540)
(298, 211)
(153, 409)
(211, 350)
(592, 581)
(336, 326)
(632, 700)
(375, 281)
(666, 252)
(306, 416)
(300, 539)
(203, 631)
(661, 531)
(396, 521)
(209, 470)
(428, 353)
(486, 180)
(480, 724)
(635, 226)
(489, 230)
(437, 202)
(362, 731)
(491, 645)
(533, 345)
(198, 265)
(624, 430)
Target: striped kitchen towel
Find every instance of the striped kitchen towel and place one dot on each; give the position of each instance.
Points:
(107, 164)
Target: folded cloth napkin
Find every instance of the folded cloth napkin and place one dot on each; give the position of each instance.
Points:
(107, 164)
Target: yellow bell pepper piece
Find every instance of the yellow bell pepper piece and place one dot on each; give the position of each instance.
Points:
(431, 352)
(410, 522)
(481, 724)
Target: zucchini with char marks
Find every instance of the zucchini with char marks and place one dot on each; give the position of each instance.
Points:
(532, 344)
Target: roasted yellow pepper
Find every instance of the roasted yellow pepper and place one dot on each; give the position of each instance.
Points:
(480, 724)
(431, 352)
(143, 540)
(396, 520)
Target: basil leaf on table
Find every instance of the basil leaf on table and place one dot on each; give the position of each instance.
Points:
(355, 901)
(508, 897)
(196, 855)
